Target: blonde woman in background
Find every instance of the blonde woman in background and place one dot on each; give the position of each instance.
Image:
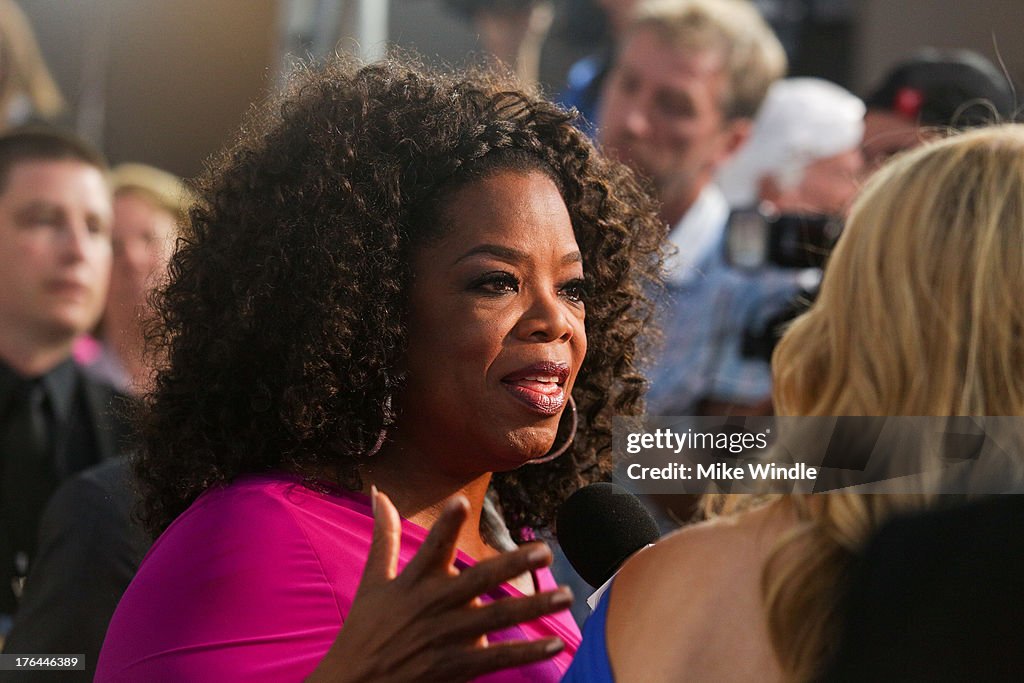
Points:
(919, 314)
(149, 205)
(27, 90)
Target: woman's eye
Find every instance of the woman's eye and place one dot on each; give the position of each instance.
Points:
(575, 290)
(497, 283)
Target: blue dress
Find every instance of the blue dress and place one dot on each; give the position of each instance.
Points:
(591, 663)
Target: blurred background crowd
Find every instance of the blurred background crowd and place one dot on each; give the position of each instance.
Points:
(753, 127)
(165, 83)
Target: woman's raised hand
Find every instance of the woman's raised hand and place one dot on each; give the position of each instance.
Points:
(428, 622)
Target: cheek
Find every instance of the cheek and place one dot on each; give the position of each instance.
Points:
(455, 346)
(32, 260)
(154, 261)
(829, 193)
(164, 252)
(579, 345)
(101, 252)
(679, 135)
(477, 343)
(9, 272)
(841, 190)
(120, 263)
(102, 267)
(610, 108)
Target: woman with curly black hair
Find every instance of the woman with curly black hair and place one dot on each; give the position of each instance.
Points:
(424, 283)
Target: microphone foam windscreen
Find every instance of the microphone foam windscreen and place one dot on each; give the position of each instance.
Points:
(599, 527)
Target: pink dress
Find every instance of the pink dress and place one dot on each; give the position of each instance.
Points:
(254, 581)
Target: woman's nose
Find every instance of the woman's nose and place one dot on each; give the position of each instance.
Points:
(546, 320)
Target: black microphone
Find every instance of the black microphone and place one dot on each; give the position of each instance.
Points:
(599, 527)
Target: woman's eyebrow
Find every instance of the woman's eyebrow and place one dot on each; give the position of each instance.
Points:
(513, 255)
(504, 253)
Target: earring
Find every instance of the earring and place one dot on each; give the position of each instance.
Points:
(377, 446)
(548, 457)
(383, 435)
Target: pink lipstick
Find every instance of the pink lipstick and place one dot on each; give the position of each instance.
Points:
(540, 387)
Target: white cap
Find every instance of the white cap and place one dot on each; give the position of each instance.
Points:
(800, 121)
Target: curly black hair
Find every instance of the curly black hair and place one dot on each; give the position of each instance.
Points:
(283, 323)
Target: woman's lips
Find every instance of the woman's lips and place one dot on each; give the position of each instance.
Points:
(544, 398)
(540, 386)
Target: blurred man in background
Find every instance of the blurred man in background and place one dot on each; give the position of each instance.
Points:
(678, 103)
(55, 420)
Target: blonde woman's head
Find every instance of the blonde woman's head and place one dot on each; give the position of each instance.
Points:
(918, 314)
(150, 206)
(919, 310)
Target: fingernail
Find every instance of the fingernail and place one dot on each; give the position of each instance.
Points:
(554, 646)
(456, 503)
(562, 598)
(373, 498)
(538, 555)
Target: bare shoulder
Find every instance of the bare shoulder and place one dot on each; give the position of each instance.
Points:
(703, 551)
(692, 604)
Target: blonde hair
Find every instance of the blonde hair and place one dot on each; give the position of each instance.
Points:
(162, 189)
(752, 55)
(916, 316)
(22, 68)
(918, 311)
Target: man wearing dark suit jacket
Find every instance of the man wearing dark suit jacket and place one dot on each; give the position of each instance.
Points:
(88, 552)
(55, 421)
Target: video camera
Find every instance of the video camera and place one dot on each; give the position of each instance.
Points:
(756, 238)
(761, 239)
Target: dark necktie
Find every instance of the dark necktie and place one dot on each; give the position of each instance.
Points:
(28, 479)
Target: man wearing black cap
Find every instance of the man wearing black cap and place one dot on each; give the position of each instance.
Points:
(933, 88)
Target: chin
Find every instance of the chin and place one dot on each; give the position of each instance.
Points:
(526, 444)
(71, 324)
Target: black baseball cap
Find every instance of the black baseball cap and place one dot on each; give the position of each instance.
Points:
(957, 88)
